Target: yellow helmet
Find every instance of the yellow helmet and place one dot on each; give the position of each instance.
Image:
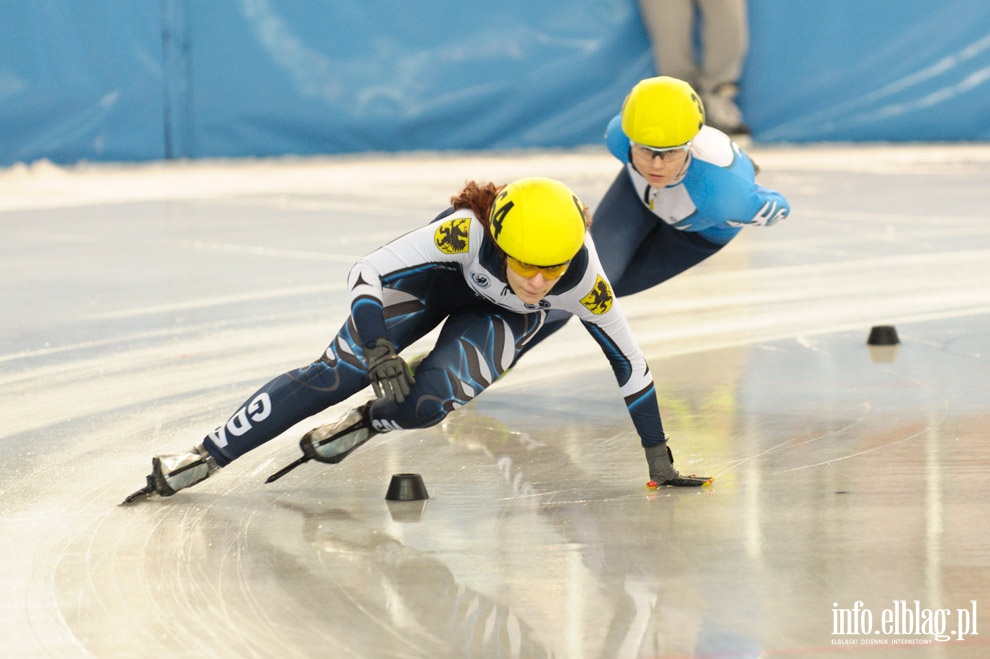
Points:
(662, 112)
(538, 221)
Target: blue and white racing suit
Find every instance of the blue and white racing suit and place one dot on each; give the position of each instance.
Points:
(448, 272)
(647, 235)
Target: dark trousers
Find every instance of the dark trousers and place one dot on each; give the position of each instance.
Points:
(477, 343)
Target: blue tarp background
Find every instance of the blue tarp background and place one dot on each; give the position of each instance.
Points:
(129, 80)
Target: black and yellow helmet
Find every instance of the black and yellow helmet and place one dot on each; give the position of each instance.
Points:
(538, 221)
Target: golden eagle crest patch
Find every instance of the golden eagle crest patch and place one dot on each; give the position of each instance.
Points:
(452, 236)
(599, 300)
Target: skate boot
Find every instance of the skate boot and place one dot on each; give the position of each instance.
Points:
(332, 442)
(171, 473)
(662, 472)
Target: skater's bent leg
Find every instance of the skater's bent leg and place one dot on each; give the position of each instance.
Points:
(663, 254)
(474, 348)
(555, 321)
(283, 402)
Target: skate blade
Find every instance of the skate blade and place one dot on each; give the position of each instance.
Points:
(286, 469)
(689, 481)
(147, 490)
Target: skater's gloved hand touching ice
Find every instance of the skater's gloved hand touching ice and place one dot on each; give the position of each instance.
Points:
(390, 376)
(662, 472)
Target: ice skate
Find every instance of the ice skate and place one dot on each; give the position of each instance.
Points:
(332, 442)
(171, 473)
(662, 471)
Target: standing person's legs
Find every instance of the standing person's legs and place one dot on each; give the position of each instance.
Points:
(724, 44)
(670, 26)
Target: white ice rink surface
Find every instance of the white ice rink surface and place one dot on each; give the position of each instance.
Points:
(850, 514)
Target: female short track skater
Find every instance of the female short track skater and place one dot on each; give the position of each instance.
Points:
(685, 190)
(489, 268)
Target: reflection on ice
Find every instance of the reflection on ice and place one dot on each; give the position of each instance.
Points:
(142, 302)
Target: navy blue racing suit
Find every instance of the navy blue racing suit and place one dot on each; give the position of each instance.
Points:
(448, 273)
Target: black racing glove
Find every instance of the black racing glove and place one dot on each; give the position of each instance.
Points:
(389, 374)
(662, 472)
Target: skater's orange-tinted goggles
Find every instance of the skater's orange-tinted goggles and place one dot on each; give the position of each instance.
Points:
(528, 271)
